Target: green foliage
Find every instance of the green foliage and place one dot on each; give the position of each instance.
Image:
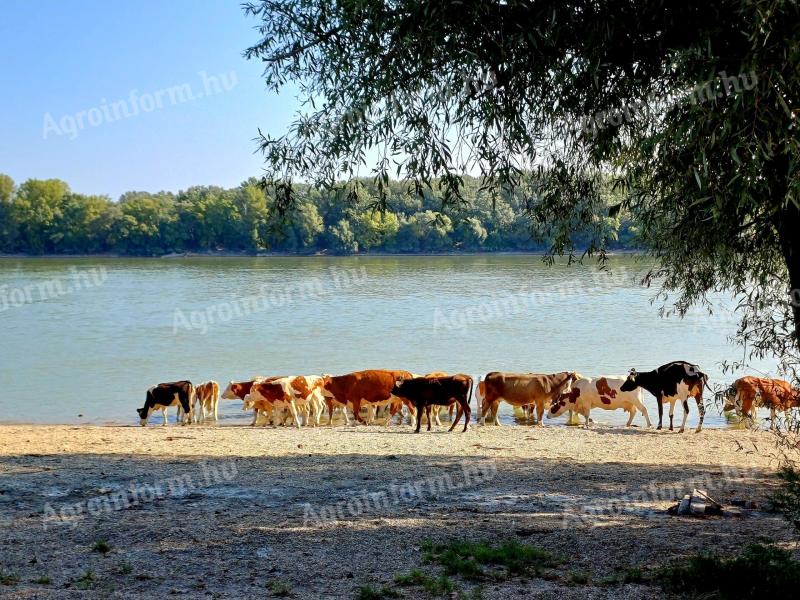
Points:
(470, 559)
(45, 217)
(279, 589)
(760, 572)
(8, 579)
(435, 586)
(787, 498)
(101, 546)
(367, 592)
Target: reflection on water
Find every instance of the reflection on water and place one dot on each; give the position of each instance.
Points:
(94, 350)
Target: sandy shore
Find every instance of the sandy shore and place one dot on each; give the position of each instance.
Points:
(227, 511)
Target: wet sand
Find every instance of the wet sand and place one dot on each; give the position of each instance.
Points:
(234, 512)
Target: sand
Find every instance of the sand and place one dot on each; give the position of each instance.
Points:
(238, 512)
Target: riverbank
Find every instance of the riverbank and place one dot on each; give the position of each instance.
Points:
(318, 513)
(226, 254)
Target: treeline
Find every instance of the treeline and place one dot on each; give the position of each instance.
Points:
(46, 217)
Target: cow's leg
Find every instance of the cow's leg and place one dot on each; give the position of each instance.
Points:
(329, 402)
(216, 408)
(685, 415)
(772, 418)
(419, 416)
(540, 413)
(459, 411)
(357, 410)
(701, 409)
(586, 419)
(643, 409)
(467, 415)
(660, 403)
(436, 410)
(631, 414)
(428, 415)
(164, 414)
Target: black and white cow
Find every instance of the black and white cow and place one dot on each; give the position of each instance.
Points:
(162, 396)
(679, 380)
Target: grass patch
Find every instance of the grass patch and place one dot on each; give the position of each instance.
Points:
(43, 580)
(279, 589)
(8, 579)
(435, 586)
(760, 572)
(367, 592)
(85, 581)
(470, 559)
(101, 546)
(629, 575)
(577, 578)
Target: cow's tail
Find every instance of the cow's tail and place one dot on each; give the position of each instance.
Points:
(478, 400)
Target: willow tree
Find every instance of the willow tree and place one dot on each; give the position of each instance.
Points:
(689, 107)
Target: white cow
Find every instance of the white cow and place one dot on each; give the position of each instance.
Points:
(599, 392)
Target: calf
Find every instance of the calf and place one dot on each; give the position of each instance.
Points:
(601, 392)
(749, 393)
(207, 400)
(162, 396)
(425, 392)
(237, 390)
(295, 392)
(679, 380)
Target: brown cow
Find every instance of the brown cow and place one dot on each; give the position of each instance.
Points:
(237, 390)
(207, 397)
(372, 387)
(520, 389)
(749, 393)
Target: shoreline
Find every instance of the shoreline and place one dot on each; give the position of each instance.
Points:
(538, 253)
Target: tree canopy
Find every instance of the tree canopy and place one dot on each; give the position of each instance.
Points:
(46, 217)
(690, 107)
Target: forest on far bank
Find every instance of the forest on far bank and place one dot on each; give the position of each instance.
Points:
(46, 217)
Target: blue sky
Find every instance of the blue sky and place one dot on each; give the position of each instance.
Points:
(102, 65)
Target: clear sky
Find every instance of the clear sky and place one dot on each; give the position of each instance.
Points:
(109, 96)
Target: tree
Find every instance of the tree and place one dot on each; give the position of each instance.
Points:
(691, 107)
(37, 208)
(8, 226)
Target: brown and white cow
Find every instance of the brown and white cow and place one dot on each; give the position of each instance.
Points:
(207, 400)
(749, 393)
(372, 387)
(521, 389)
(298, 393)
(599, 392)
(237, 390)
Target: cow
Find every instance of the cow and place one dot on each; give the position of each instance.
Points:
(520, 389)
(163, 395)
(749, 393)
(425, 392)
(293, 392)
(372, 387)
(600, 392)
(237, 390)
(672, 382)
(207, 400)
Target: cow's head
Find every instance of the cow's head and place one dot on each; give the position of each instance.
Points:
(229, 393)
(144, 414)
(631, 383)
(731, 402)
(564, 401)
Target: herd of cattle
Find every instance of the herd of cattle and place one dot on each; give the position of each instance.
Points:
(384, 395)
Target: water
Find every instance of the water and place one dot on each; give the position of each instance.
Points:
(82, 339)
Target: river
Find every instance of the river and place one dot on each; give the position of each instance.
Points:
(82, 339)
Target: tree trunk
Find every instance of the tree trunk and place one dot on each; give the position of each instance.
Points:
(789, 231)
